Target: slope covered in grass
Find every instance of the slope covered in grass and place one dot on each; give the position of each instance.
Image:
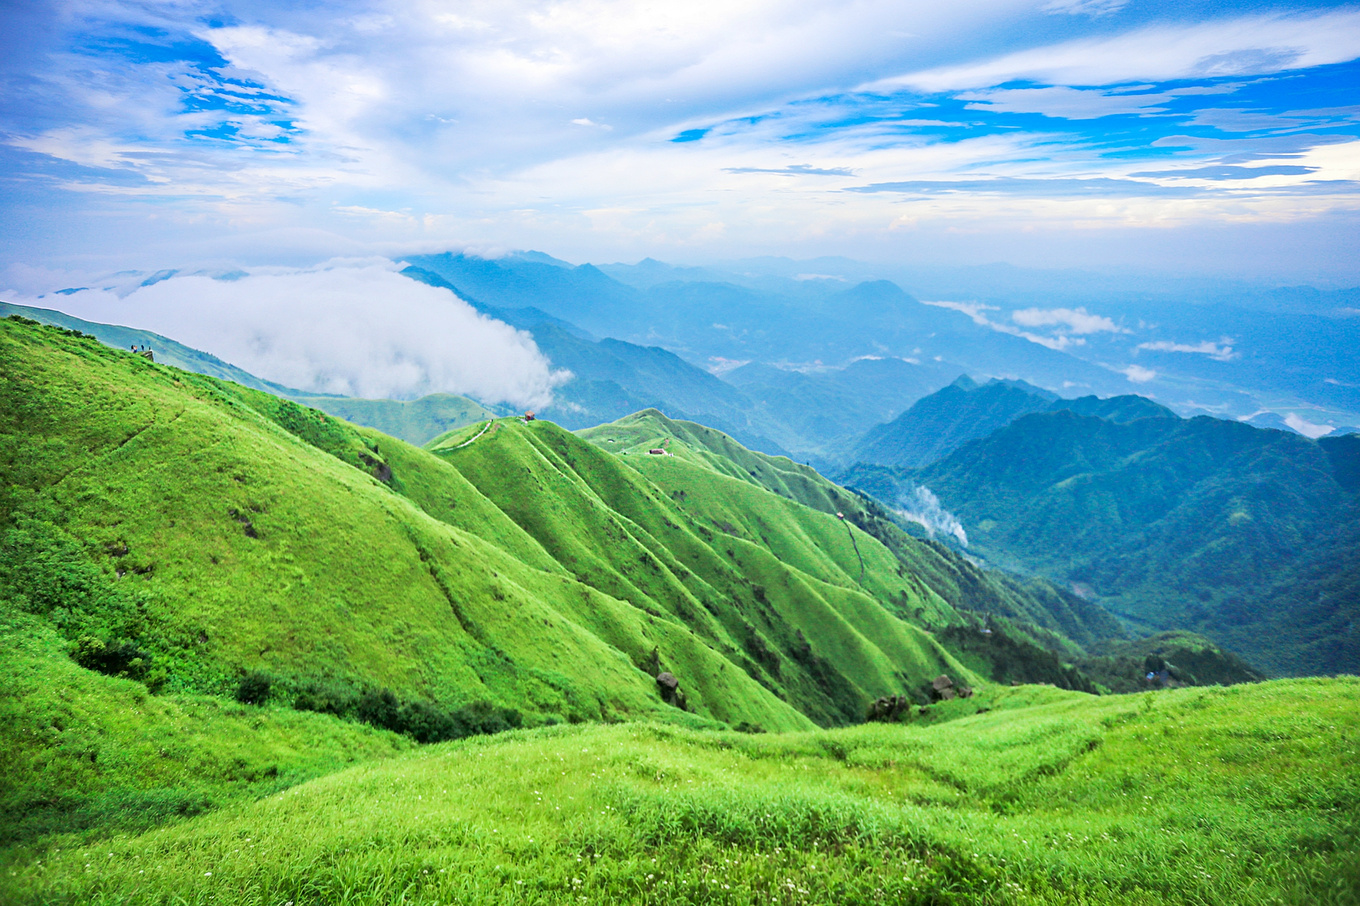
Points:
(205, 530)
(1053, 616)
(1234, 796)
(216, 530)
(85, 753)
(166, 350)
(778, 597)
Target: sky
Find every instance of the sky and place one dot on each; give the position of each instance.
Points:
(1180, 137)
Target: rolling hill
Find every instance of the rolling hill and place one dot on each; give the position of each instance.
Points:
(183, 534)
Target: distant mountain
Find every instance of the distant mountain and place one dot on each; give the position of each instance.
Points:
(815, 413)
(939, 424)
(705, 315)
(610, 378)
(942, 422)
(1248, 536)
(582, 295)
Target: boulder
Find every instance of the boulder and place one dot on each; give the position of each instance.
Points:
(669, 686)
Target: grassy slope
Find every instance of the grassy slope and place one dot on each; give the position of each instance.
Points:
(167, 351)
(84, 752)
(415, 421)
(1209, 796)
(785, 610)
(155, 473)
(934, 572)
(227, 529)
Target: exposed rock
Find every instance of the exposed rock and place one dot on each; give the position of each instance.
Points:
(670, 688)
(889, 708)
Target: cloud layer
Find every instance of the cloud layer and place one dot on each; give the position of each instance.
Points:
(354, 328)
(608, 128)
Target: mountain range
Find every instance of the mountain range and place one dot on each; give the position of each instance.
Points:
(1243, 534)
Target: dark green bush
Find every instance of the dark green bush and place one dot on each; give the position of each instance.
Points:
(380, 708)
(113, 657)
(327, 697)
(423, 721)
(254, 688)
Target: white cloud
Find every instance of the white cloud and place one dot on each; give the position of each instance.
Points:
(1065, 103)
(1306, 428)
(974, 310)
(356, 328)
(977, 312)
(1221, 47)
(1138, 375)
(920, 505)
(1221, 351)
(1092, 8)
(1076, 320)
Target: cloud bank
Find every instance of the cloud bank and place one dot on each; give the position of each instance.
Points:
(354, 328)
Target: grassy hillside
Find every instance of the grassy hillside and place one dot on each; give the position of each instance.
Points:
(1247, 536)
(1236, 796)
(205, 531)
(166, 350)
(217, 531)
(776, 595)
(1047, 614)
(88, 754)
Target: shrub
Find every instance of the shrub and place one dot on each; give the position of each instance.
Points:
(380, 708)
(327, 697)
(254, 688)
(111, 657)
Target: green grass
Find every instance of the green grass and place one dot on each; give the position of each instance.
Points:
(86, 753)
(1238, 796)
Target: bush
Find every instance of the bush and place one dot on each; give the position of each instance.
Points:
(423, 721)
(328, 697)
(111, 657)
(380, 708)
(254, 688)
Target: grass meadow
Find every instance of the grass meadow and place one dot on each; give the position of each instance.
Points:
(1239, 795)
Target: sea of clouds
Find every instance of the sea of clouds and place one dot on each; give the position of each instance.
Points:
(357, 328)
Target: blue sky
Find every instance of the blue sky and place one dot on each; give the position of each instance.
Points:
(1181, 137)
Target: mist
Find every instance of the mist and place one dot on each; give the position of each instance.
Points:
(920, 505)
(352, 328)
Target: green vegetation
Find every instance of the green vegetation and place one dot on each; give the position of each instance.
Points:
(1173, 658)
(227, 620)
(1247, 536)
(1037, 609)
(1239, 796)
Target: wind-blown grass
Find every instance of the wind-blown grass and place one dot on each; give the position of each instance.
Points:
(1236, 796)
